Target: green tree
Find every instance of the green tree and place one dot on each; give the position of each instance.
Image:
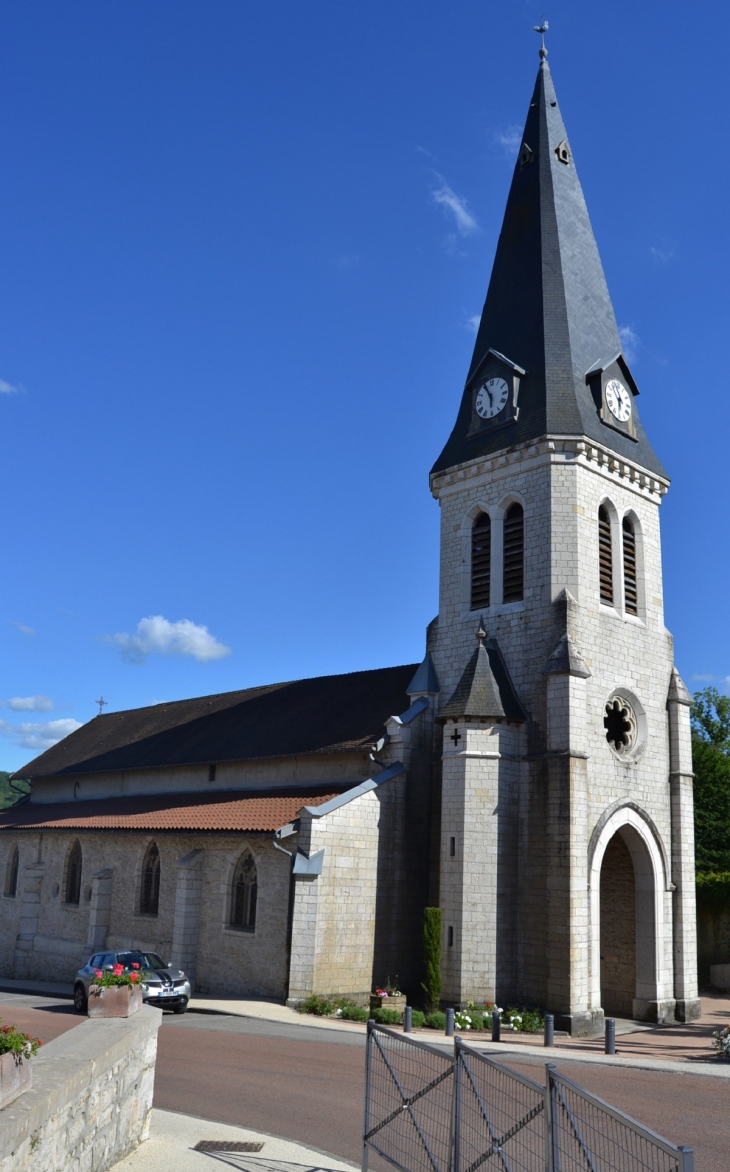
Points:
(432, 926)
(710, 718)
(11, 792)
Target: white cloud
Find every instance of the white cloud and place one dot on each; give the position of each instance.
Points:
(446, 198)
(472, 323)
(38, 736)
(30, 704)
(9, 389)
(158, 634)
(23, 629)
(631, 342)
(509, 139)
(663, 254)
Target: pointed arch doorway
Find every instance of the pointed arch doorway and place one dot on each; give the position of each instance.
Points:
(630, 970)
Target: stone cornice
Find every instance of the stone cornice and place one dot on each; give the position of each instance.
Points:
(555, 449)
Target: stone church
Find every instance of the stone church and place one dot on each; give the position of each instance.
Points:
(531, 776)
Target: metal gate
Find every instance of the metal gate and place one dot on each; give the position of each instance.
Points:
(427, 1110)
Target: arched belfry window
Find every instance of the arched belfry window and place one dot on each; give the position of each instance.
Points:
(243, 894)
(514, 554)
(73, 874)
(481, 561)
(11, 873)
(149, 892)
(605, 556)
(631, 593)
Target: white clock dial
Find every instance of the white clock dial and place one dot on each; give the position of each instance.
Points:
(618, 399)
(491, 398)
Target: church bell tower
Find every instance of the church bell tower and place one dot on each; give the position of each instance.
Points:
(566, 835)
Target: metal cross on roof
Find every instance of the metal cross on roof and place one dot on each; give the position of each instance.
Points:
(542, 29)
(102, 704)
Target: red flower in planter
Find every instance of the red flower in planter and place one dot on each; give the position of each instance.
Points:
(98, 973)
(134, 976)
(118, 970)
(135, 964)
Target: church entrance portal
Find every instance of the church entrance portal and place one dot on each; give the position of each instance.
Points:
(628, 927)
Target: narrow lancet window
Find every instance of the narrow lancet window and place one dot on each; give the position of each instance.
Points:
(605, 556)
(73, 874)
(631, 595)
(11, 874)
(149, 895)
(514, 554)
(243, 894)
(481, 561)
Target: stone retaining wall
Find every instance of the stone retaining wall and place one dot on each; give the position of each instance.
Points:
(91, 1098)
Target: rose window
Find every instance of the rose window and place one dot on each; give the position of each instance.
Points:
(620, 725)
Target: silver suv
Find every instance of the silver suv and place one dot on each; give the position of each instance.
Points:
(162, 985)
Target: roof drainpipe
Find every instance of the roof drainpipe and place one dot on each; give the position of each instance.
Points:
(289, 913)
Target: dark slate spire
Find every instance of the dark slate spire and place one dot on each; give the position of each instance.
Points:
(425, 679)
(485, 690)
(547, 309)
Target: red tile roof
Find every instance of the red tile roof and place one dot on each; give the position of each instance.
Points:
(234, 811)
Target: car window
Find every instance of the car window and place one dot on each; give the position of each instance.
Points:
(153, 961)
(94, 962)
(108, 958)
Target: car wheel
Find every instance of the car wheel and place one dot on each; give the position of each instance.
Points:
(180, 1009)
(80, 999)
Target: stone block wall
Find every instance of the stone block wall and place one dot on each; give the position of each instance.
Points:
(90, 1101)
(42, 937)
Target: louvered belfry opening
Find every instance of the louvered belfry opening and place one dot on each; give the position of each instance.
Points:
(481, 561)
(605, 556)
(73, 874)
(631, 594)
(149, 896)
(514, 554)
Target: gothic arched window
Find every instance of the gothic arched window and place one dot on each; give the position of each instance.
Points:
(605, 556)
(514, 554)
(11, 873)
(73, 874)
(149, 891)
(481, 561)
(243, 893)
(631, 592)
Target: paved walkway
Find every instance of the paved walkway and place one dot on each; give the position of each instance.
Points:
(173, 1137)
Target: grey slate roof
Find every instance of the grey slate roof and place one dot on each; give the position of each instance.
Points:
(485, 690)
(547, 308)
(327, 714)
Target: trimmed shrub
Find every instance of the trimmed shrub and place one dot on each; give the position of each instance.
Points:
(319, 1006)
(435, 1020)
(387, 1016)
(432, 928)
(713, 890)
(417, 1019)
(355, 1013)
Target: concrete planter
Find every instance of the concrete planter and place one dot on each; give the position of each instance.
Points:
(16, 1076)
(114, 1000)
(398, 1003)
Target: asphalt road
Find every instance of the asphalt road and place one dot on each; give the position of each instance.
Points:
(304, 1085)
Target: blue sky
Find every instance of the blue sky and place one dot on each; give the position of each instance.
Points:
(242, 247)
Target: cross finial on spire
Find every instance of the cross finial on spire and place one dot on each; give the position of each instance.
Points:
(102, 704)
(542, 29)
(481, 633)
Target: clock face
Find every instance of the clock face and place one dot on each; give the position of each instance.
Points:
(491, 398)
(618, 399)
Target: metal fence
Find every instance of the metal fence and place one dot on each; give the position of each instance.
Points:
(427, 1110)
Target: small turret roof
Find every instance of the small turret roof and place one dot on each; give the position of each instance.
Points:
(547, 309)
(485, 690)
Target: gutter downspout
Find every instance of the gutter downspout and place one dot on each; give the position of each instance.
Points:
(289, 913)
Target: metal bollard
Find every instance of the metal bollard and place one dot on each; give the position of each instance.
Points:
(549, 1029)
(610, 1036)
(449, 1023)
(496, 1032)
(408, 1020)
